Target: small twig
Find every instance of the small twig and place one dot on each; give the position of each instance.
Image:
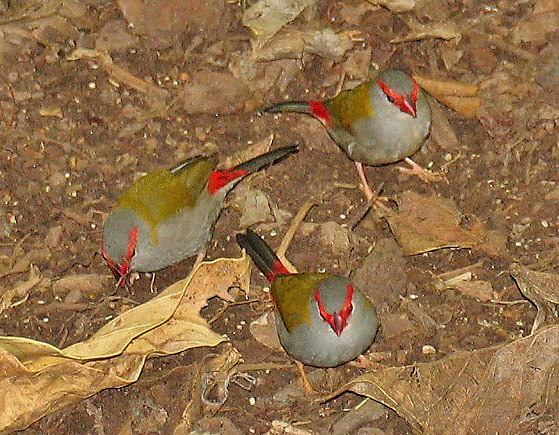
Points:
(453, 273)
(299, 217)
(263, 366)
(496, 302)
(120, 74)
(64, 306)
(113, 298)
(512, 49)
(65, 145)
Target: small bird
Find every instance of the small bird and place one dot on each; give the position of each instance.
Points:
(379, 122)
(169, 215)
(322, 319)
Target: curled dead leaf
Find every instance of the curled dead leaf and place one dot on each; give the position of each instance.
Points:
(535, 27)
(446, 30)
(267, 17)
(540, 288)
(292, 44)
(395, 5)
(484, 391)
(459, 96)
(424, 224)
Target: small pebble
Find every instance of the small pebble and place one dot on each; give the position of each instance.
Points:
(428, 350)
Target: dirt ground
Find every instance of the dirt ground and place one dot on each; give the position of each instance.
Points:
(75, 133)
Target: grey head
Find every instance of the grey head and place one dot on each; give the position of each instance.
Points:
(400, 123)
(120, 234)
(322, 343)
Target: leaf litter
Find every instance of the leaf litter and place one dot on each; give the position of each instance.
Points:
(461, 392)
(115, 355)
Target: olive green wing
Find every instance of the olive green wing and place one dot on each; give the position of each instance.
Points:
(162, 194)
(350, 106)
(291, 295)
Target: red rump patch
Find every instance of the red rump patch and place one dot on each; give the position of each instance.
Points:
(277, 270)
(218, 179)
(319, 111)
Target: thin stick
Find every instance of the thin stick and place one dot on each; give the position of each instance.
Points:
(299, 217)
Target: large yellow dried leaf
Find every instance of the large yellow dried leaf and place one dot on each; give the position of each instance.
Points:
(37, 378)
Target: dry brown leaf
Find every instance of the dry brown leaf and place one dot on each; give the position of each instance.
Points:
(535, 27)
(460, 97)
(545, 5)
(466, 106)
(214, 92)
(353, 13)
(425, 224)
(450, 55)
(542, 289)
(441, 129)
(396, 5)
(481, 290)
(21, 291)
(90, 285)
(267, 17)
(253, 204)
(259, 147)
(121, 75)
(292, 44)
(438, 87)
(446, 30)
(465, 392)
(20, 263)
(264, 331)
(358, 63)
(115, 355)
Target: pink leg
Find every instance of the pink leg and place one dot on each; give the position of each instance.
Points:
(306, 384)
(364, 185)
(373, 199)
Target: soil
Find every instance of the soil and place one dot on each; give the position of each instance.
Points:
(73, 141)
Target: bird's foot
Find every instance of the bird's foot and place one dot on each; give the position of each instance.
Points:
(374, 201)
(424, 174)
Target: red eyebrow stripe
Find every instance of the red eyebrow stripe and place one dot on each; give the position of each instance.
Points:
(132, 242)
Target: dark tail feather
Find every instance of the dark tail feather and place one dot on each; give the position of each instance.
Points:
(290, 106)
(270, 157)
(262, 255)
